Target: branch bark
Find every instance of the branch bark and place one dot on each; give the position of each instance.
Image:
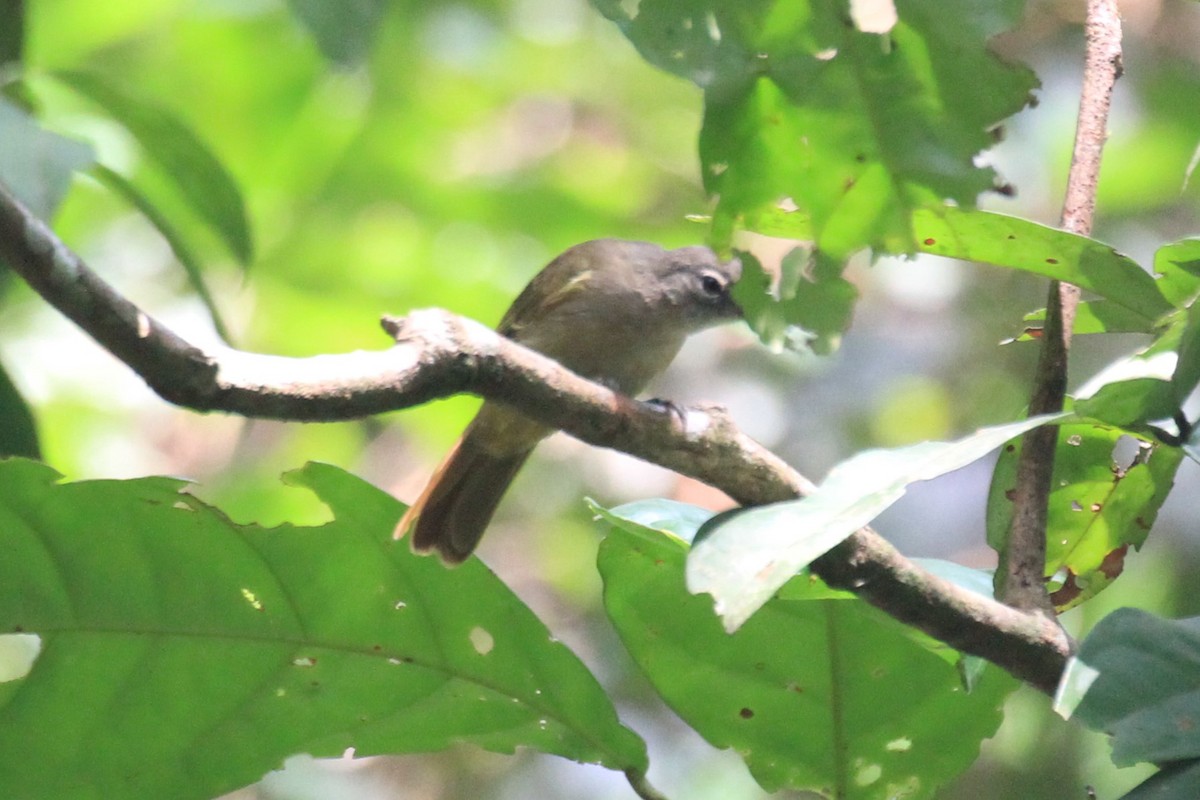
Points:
(1021, 574)
(438, 354)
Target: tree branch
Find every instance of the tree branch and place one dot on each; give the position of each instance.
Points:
(438, 354)
(1021, 574)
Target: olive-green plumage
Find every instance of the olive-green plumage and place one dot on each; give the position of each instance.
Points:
(610, 310)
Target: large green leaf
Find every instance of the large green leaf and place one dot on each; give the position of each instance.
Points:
(1099, 506)
(183, 655)
(855, 128)
(186, 161)
(1003, 241)
(1133, 301)
(1137, 677)
(743, 557)
(1021, 244)
(817, 692)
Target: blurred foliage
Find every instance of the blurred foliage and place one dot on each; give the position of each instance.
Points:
(389, 155)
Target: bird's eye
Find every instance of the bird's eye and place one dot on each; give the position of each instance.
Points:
(711, 285)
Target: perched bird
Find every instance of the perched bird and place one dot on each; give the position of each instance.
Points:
(610, 310)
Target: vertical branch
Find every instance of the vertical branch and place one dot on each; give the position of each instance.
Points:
(1021, 574)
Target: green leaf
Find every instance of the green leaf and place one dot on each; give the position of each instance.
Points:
(743, 557)
(810, 304)
(1020, 244)
(855, 128)
(1137, 677)
(184, 159)
(1092, 316)
(36, 164)
(18, 430)
(1133, 298)
(660, 515)
(1187, 370)
(1099, 507)
(344, 31)
(1178, 267)
(183, 655)
(1147, 386)
(893, 717)
(1177, 781)
(174, 238)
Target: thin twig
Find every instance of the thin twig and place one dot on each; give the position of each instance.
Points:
(1021, 575)
(438, 354)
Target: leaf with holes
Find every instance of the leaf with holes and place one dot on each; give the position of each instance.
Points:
(1108, 487)
(183, 656)
(1019, 244)
(893, 715)
(1132, 298)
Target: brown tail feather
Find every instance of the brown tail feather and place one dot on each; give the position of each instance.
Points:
(456, 506)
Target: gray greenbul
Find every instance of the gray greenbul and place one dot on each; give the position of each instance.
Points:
(614, 311)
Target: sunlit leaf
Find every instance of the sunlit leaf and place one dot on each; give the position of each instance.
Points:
(893, 716)
(1021, 244)
(744, 556)
(192, 654)
(855, 128)
(1133, 300)
(185, 160)
(1107, 488)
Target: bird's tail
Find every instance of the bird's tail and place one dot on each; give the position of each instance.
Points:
(456, 506)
